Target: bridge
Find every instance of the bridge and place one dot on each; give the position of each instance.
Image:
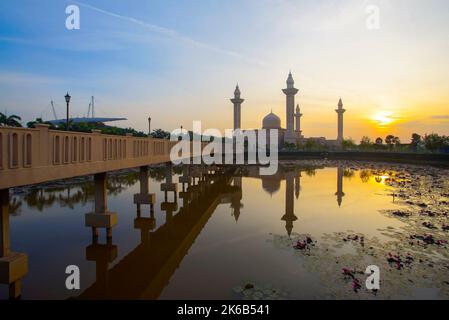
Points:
(144, 272)
(37, 155)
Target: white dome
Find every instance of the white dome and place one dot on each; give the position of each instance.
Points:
(271, 121)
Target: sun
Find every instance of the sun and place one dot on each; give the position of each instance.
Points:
(383, 118)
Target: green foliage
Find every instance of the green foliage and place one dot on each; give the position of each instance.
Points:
(31, 124)
(435, 142)
(289, 146)
(365, 143)
(10, 121)
(348, 144)
(160, 134)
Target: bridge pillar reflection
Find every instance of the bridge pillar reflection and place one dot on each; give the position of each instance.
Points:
(144, 197)
(186, 182)
(101, 218)
(169, 185)
(13, 265)
(103, 255)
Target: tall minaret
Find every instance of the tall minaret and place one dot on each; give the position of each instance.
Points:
(340, 194)
(298, 116)
(289, 216)
(340, 112)
(237, 101)
(290, 92)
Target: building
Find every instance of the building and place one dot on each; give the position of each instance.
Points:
(292, 134)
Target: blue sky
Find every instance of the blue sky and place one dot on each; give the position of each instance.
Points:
(179, 61)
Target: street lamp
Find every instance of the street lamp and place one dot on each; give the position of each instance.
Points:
(67, 100)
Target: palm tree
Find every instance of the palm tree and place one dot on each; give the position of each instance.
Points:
(2, 119)
(10, 121)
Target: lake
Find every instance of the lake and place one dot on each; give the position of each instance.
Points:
(308, 232)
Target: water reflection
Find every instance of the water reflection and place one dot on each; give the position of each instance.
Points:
(188, 196)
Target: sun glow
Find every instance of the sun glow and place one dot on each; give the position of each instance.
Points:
(383, 118)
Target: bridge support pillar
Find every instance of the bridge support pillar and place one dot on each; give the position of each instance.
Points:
(169, 185)
(101, 218)
(144, 197)
(13, 265)
(103, 255)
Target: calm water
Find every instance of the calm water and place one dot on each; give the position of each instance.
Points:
(233, 235)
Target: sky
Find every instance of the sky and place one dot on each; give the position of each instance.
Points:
(179, 61)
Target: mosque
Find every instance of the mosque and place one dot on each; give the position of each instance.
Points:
(292, 134)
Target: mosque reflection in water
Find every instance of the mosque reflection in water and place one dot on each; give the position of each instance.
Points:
(187, 205)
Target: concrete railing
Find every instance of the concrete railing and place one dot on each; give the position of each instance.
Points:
(29, 156)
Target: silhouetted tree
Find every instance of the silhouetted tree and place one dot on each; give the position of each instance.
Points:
(365, 143)
(348, 144)
(10, 121)
(416, 139)
(160, 134)
(435, 142)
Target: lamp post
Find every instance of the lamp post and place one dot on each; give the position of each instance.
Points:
(67, 100)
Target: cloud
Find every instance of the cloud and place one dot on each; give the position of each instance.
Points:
(8, 78)
(441, 117)
(172, 34)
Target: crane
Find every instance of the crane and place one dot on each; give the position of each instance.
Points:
(53, 109)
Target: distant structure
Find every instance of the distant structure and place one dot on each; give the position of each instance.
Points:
(292, 134)
(237, 102)
(149, 125)
(340, 112)
(89, 118)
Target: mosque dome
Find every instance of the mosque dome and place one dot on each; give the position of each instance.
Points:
(271, 185)
(271, 121)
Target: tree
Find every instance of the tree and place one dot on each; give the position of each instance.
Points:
(31, 124)
(348, 144)
(365, 143)
(391, 140)
(416, 139)
(10, 121)
(435, 142)
(160, 134)
(379, 141)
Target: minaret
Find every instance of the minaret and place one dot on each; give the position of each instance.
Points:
(340, 112)
(297, 184)
(298, 116)
(290, 92)
(149, 125)
(237, 101)
(289, 216)
(340, 194)
(236, 198)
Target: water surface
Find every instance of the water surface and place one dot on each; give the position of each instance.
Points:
(232, 234)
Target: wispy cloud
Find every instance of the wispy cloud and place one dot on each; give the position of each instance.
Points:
(441, 117)
(174, 35)
(18, 78)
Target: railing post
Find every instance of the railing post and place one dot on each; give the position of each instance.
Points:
(43, 145)
(97, 153)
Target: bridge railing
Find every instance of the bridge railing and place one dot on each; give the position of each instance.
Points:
(26, 153)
